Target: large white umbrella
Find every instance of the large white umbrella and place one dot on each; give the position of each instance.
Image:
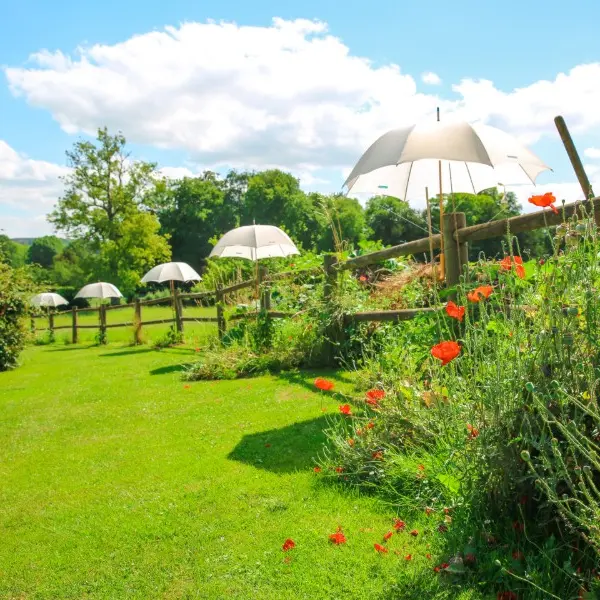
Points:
(48, 299)
(173, 271)
(99, 290)
(471, 158)
(254, 242)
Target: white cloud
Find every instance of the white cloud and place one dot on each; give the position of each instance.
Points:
(592, 152)
(28, 188)
(431, 78)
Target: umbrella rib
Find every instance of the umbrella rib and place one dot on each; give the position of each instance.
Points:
(470, 178)
(407, 180)
(527, 174)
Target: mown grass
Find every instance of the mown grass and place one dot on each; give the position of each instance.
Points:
(120, 481)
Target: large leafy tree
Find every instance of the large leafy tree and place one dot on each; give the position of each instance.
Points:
(43, 250)
(344, 223)
(393, 221)
(11, 252)
(105, 205)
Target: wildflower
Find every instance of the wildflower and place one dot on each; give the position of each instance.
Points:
(436, 569)
(421, 467)
(359, 431)
(388, 535)
(288, 545)
(287, 560)
(454, 311)
(317, 469)
(267, 445)
(414, 533)
(507, 264)
(381, 549)
(372, 403)
(350, 442)
(324, 384)
(444, 565)
(375, 395)
(518, 526)
(506, 596)
(339, 469)
(446, 510)
(186, 387)
(517, 555)
(446, 351)
(428, 556)
(345, 409)
(480, 293)
(338, 537)
(196, 349)
(442, 528)
(546, 200)
(473, 432)
(363, 278)
(408, 557)
(470, 559)
(370, 425)
(428, 510)
(399, 524)
(377, 455)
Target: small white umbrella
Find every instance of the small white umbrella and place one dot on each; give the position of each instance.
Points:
(99, 290)
(254, 242)
(173, 271)
(48, 299)
(457, 156)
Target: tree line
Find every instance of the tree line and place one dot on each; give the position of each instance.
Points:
(121, 218)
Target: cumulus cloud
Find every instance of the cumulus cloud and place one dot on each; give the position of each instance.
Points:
(431, 78)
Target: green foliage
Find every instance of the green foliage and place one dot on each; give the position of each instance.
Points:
(11, 252)
(393, 221)
(15, 287)
(171, 337)
(43, 250)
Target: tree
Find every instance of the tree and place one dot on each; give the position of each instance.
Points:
(11, 252)
(193, 210)
(43, 250)
(345, 220)
(105, 205)
(393, 221)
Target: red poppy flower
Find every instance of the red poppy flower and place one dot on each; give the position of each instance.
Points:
(345, 409)
(359, 431)
(376, 395)
(480, 293)
(428, 510)
(381, 549)
(377, 455)
(339, 469)
(196, 349)
(370, 425)
(408, 557)
(428, 556)
(350, 442)
(473, 432)
(317, 469)
(446, 511)
(444, 565)
(362, 278)
(338, 537)
(518, 526)
(421, 467)
(470, 559)
(446, 351)
(546, 200)
(186, 387)
(414, 533)
(288, 545)
(388, 535)
(454, 311)
(517, 555)
(399, 524)
(442, 528)
(372, 403)
(287, 560)
(436, 569)
(324, 384)
(507, 264)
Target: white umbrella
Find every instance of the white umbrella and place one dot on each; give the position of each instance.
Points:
(403, 162)
(173, 271)
(49, 300)
(254, 242)
(99, 290)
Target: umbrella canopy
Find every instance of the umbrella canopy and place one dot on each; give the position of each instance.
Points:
(255, 242)
(99, 290)
(475, 157)
(48, 299)
(173, 271)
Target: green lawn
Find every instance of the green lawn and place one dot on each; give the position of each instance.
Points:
(120, 481)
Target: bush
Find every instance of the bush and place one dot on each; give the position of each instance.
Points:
(15, 287)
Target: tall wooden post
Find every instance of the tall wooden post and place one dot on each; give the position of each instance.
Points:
(457, 255)
(137, 322)
(220, 311)
(74, 325)
(178, 311)
(51, 322)
(265, 291)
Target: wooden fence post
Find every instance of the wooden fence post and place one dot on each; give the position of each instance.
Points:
(137, 322)
(335, 331)
(178, 310)
(74, 325)
(457, 254)
(102, 314)
(51, 322)
(220, 314)
(329, 262)
(265, 290)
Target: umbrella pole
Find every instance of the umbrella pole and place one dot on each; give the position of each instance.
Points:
(442, 258)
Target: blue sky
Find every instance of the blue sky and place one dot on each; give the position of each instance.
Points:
(513, 44)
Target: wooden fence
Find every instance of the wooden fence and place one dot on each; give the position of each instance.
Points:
(177, 302)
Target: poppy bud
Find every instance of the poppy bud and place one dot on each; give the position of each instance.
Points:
(497, 563)
(525, 456)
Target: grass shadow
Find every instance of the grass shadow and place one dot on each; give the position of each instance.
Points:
(170, 369)
(284, 450)
(307, 378)
(74, 347)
